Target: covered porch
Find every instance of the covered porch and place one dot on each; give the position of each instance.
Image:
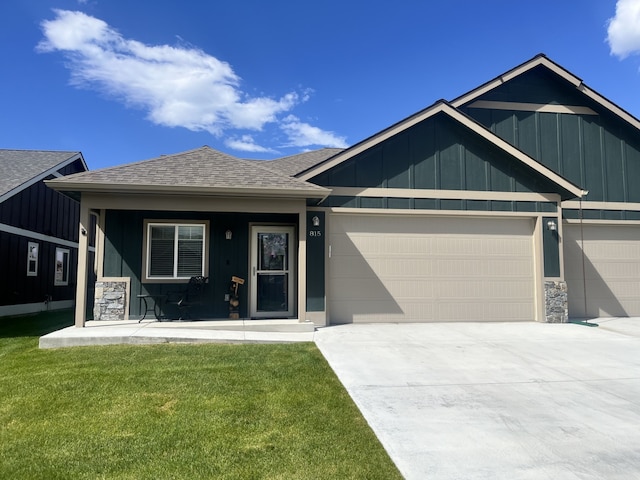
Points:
(248, 251)
(238, 225)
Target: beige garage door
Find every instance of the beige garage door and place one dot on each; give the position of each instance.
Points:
(611, 267)
(430, 269)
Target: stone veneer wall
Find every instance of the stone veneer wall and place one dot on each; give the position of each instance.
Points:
(556, 303)
(112, 299)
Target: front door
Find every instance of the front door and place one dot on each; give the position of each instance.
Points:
(272, 271)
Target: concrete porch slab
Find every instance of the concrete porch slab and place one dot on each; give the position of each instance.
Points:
(148, 332)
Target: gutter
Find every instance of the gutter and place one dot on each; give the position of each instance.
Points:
(236, 192)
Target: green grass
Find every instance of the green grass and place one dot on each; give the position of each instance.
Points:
(176, 411)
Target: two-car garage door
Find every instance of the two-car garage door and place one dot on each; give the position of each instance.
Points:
(423, 268)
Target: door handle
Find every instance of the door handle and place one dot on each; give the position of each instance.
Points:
(254, 271)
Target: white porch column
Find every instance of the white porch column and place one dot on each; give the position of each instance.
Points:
(82, 273)
(302, 264)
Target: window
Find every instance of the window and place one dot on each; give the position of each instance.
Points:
(175, 251)
(62, 267)
(32, 259)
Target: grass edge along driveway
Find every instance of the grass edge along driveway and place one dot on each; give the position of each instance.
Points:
(176, 411)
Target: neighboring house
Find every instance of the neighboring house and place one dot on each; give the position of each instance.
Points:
(513, 202)
(38, 231)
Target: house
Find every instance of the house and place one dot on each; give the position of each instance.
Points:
(38, 231)
(512, 202)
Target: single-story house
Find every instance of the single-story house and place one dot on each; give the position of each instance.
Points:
(38, 231)
(512, 202)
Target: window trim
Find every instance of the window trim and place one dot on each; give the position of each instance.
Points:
(32, 248)
(64, 280)
(148, 223)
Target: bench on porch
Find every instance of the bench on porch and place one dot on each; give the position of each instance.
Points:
(188, 298)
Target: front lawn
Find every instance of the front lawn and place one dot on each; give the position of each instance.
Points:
(176, 411)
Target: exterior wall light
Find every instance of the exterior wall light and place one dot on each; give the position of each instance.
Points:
(316, 221)
(228, 234)
(551, 225)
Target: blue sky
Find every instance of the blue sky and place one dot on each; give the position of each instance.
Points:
(123, 80)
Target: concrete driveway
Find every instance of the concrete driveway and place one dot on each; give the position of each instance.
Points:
(499, 400)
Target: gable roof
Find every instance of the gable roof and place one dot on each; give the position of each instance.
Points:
(571, 190)
(202, 171)
(20, 169)
(561, 72)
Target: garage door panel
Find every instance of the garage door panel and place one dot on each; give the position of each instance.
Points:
(466, 289)
(394, 265)
(390, 266)
(460, 267)
(510, 268)
(430, 269)
(478, 311)
(615, 269)
(609, 271)
(372, 244)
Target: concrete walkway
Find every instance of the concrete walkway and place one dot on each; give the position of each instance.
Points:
(499, 400)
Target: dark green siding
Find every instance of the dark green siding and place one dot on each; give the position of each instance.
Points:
(315, 262)
(124, 232)
(575, 214)
(551, 247)
(438, 153)
(600, 153)
(439, 204)
(538, 85)
(423, 156)
(631, 154)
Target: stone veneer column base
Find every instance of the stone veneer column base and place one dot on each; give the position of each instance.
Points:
(112, 299)
(556, 303)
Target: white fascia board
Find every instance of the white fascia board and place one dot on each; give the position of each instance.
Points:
(511, 74)
(612, 107)
(464, 120)
(562, 73)
(239, 192)
(373, 140)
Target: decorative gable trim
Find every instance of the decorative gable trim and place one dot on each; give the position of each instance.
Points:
(542, 60)
(532, 107)
(445, 108)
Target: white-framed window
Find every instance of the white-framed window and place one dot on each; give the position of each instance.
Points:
(32, 259)
(62, 266)
(175, 251)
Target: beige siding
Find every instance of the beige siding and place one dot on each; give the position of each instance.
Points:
(417, 269)
(611, 266)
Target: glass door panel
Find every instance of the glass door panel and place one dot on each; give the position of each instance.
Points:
(271, 271)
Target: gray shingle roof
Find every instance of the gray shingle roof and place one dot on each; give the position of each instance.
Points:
(202, 169)
(18, 167)
(294, 164)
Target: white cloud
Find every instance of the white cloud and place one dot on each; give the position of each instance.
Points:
(302, 134)
(246, 143)
(178, 86)
(623, 30)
